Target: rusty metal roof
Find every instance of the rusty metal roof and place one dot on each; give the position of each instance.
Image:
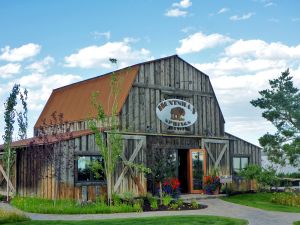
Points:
(74, 101)
(47, 139)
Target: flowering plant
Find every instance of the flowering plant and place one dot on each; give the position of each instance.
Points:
(172, 187)
(211, 184)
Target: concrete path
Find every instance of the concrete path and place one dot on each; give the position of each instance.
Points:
(216, 207)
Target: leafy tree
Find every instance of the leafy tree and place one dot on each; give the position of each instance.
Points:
(162, 163)
(110, 151)
(265, 177)
(281, 105)
(111, 146)
(9, 121)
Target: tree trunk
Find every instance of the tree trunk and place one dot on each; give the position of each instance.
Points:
(108, 179)
(160, 192)
(8, 175)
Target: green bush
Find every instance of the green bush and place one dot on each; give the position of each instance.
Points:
(128, 196)
(290, 199)
(194, 204)
(266, 178)
(166, 200)
(39, 205)
(180, 202)
(116, 199)
(153, 203)
(174, 206)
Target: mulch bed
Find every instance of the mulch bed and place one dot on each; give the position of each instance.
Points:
(185, 206)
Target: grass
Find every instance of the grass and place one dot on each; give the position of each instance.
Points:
(261, 201)
(11, 217)
(174, 220)
(38, 205)
(296, 223)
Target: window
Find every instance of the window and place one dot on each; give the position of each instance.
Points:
(85, 172)
(239, 163)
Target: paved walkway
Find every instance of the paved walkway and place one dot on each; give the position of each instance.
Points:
(216, 207)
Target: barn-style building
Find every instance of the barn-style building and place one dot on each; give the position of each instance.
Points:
(165, 104)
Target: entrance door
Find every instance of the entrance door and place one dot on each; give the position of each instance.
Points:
(197, 170)
(183, 169)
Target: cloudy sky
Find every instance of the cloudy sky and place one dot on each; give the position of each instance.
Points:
(239, 44)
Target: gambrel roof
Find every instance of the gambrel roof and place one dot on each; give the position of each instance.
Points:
(74, 100)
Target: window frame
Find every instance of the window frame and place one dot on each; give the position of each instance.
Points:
(240, 162)
(80, 182)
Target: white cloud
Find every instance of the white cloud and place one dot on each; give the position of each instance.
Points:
(223, 10)
(198, 41)
(296, 19)
(269, 4)
(97, 35)
(177, 9)
(40, 86)
(19, 54)
(187, 29)
(242, 17)
(245, 68)
(183, 4)
(41, 66)
(262, 49)
(176, 13)
(9, 69)
(239, 66)
(98, 56)
(273, 20)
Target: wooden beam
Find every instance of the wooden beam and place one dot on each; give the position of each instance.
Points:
(209, 153)
(215, 141)
(225, 147)
(173, 90)
(125, 169)
(6, 178)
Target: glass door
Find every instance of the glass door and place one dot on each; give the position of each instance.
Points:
(197, 167)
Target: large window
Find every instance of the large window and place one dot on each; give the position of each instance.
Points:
(84, 169)
(239, 163)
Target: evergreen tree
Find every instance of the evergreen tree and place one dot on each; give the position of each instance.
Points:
(281, 105)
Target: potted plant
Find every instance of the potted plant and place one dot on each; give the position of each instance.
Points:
(172, 187)
(212, 184)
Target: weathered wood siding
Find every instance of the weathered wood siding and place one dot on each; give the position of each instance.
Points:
(51, 172)
(131, 181)
(240, 147)
(171, 78)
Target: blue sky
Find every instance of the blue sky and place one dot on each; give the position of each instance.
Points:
(239, 44)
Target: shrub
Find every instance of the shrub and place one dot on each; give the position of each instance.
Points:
(266, 178)
(174, 206)
(194, 204)
(128, 197)
(290, 199)
(153, 203)
(116, 199)
(180, 202)
(166, 200)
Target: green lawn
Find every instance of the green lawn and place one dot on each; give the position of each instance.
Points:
(261, 201)
(297, 223)
(11, 217)
(174, 220)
